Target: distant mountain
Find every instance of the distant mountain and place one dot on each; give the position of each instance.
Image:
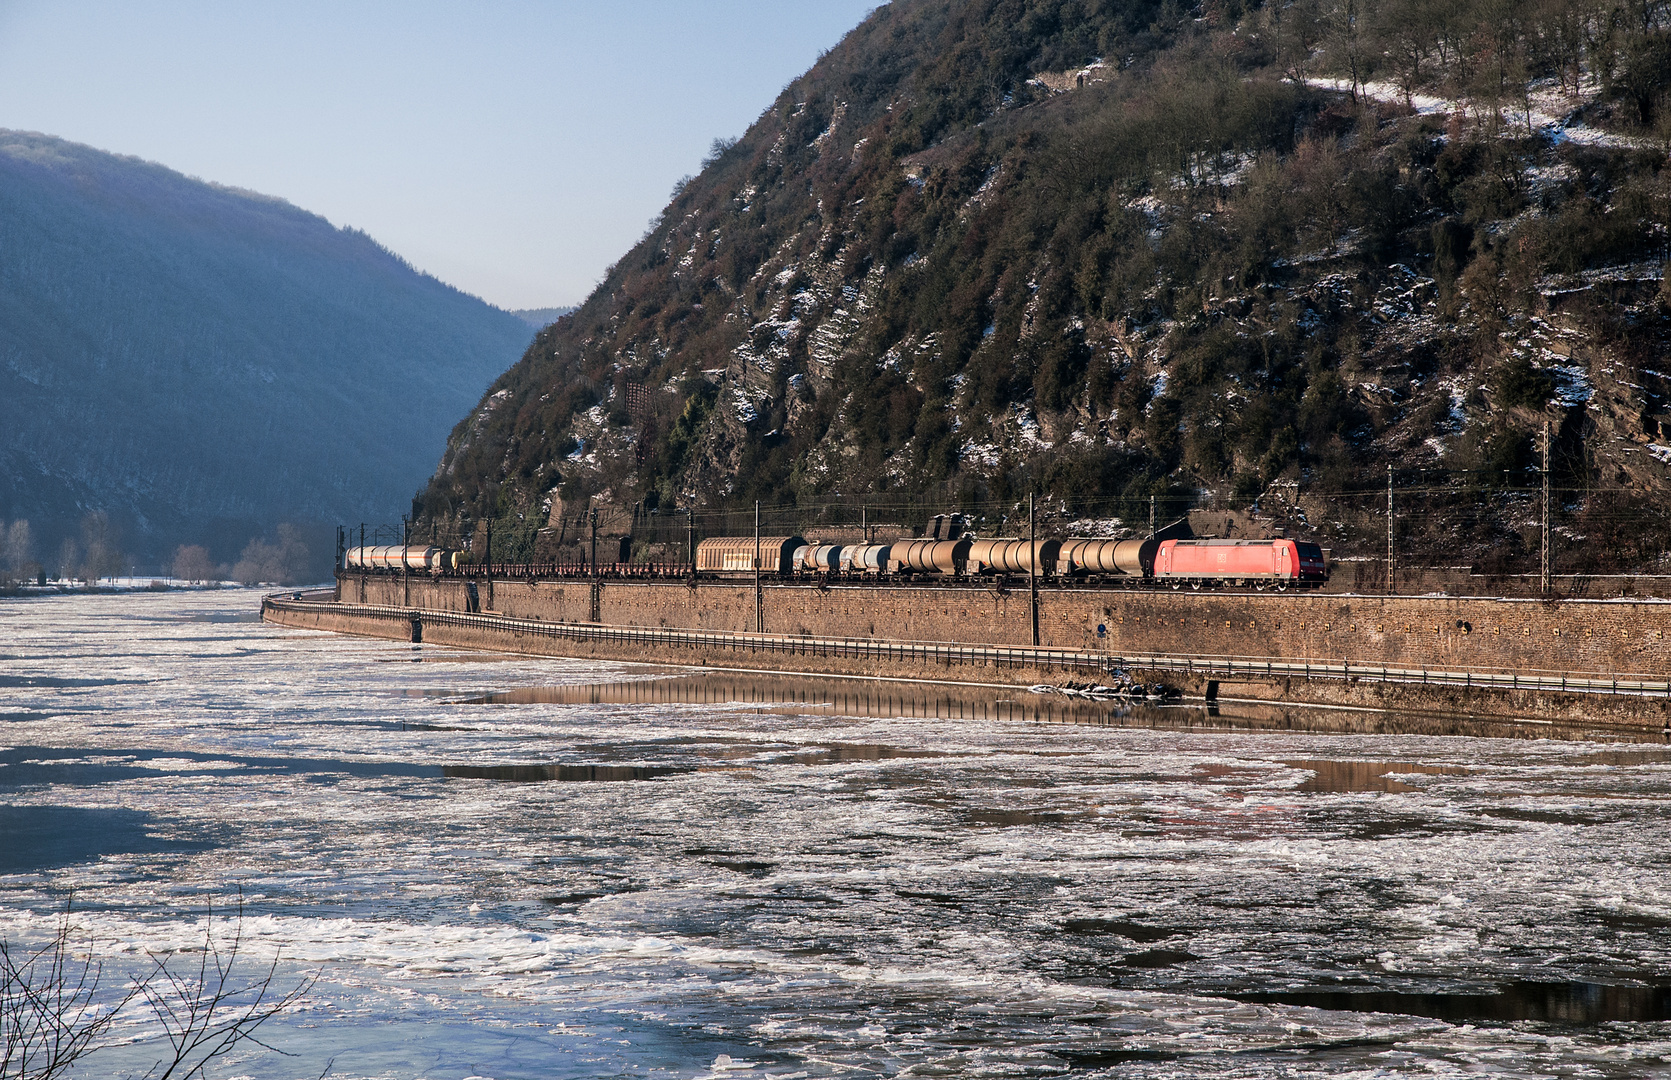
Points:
(200, 363)
(541, 317)
(1109, 250)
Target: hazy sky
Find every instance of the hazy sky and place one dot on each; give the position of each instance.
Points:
(513, 149)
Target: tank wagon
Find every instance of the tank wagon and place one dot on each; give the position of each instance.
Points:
(1130, 558)
(865, 558)
(944, 557)
(432, 560)
(1014, 556)
(818, 558)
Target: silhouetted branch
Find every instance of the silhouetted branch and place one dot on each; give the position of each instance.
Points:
(53, 1013)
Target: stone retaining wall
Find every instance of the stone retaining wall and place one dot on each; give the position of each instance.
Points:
(1597, 712)
(1577, 636)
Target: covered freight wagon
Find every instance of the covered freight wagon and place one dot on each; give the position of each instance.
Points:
(736, 554)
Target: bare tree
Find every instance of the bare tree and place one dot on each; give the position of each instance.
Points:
(17, 546)
(102, 554)
(56, 1006)
(69, 558)
(208, 1012)
(1407, 36)
(284, 563)
(192, 563)
(51, 1010)
(1349, 39)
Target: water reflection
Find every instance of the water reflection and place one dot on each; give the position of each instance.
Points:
(836, 753)
(1158, 958)
(1354, 776)
(1133, 931)
(987, 703)
(578, 774)
(48, 682)
(1562, 1002)
(221, 617)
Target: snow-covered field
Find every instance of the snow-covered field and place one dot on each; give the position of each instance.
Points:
(788, 891)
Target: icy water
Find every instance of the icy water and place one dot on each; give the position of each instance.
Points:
(507, 867)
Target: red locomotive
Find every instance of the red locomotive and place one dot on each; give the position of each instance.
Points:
(1240, 562)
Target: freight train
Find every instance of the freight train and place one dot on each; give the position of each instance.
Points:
(1279, 563)
(1194, 564)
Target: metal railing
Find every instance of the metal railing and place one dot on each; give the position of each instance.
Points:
(1088, 662)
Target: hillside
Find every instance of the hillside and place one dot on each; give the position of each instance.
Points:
(199, 363)
(1105, 250)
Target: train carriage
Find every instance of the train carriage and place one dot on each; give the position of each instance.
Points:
(737, 554)
(1124, 558)
(865, 558)
(817, 558)
(403, 557)
(1010, 556)
(926, 556)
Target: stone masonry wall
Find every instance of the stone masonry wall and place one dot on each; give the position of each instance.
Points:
(1623, 636)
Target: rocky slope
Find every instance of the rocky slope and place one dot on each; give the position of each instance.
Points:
(200, 363)
(1111, 250)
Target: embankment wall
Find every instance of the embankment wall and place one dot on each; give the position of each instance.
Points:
(1596, 710)
(1579, 636)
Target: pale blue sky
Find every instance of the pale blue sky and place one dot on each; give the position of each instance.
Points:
(513, 149)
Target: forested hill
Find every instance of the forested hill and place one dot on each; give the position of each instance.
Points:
(1104, 249)
(199, 363)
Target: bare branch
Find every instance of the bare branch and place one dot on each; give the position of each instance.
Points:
(55, 1008)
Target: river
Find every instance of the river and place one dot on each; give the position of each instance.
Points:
(504, 867)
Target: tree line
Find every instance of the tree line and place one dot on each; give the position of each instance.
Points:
(95, 553)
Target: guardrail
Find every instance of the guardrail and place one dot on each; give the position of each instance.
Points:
(1006, 656)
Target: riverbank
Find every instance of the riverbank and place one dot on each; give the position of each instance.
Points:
(1627, 700)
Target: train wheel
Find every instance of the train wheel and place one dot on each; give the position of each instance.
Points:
(1258, 586)
(1176, 585)
(1282, 586)
(1195, 585)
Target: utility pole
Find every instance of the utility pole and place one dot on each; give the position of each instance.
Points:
(864, 521)
(597, 605)
(1391, 587)
(690, 538)
(405, 567)
(1033, 566)
(1546, 582)
(759, 602)
(1151, 515)
(489, 559)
